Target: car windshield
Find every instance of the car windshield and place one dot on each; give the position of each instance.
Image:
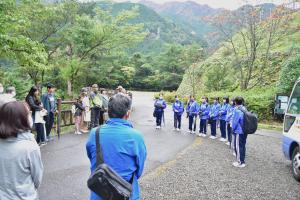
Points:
(294, 105)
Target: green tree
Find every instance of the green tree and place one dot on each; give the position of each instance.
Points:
(290, 72)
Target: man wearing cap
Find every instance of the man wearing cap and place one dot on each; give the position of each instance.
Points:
(96, 105)
(49, 102)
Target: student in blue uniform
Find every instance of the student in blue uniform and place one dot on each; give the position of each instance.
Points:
(214, 116)
(229, 123)
(222, 116)
(188, 104)
(192, 110)
(178, 109)
(203, 115)
(159, 107)
(240, 137)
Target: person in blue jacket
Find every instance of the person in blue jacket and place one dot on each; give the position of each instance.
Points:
(178, 109)
(159, 107)
(222, 116)
(49, 102)
(123, 146)
(240, 136)
(229, 123)
(203, 115)
(214, 117)
(192, 110)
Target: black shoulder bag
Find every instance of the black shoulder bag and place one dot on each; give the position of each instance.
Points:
(105, 182)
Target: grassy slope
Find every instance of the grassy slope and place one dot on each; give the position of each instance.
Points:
(284, 46)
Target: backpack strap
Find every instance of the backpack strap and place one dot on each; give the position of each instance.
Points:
(99, 154)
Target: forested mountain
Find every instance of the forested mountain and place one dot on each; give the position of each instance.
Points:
(160, 31)
(196, 19)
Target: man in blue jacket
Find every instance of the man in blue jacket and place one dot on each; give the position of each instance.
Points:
(214, 117)
(192, 109)
(178, 109)
(159, 107)
(203, 115)
(49, 102)
(222, 113)
(240, 136)
(123, 147)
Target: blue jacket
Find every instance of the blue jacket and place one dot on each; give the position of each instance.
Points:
(46, 102)
(192, 108)
(223, 111)
(123, 149)
(160, 105)
(178, 107)
(229, 114)
(204, 111)
(214, 111)
(238, 120)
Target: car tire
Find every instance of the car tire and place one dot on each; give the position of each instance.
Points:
(296, 163)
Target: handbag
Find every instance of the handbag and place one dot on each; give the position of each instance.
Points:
(105, 182)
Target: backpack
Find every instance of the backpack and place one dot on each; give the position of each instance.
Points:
(250, 122)
(107, 183)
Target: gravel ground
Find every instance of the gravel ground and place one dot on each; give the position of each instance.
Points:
(204, 171)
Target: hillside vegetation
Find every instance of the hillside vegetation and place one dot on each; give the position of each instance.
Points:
(231, 71)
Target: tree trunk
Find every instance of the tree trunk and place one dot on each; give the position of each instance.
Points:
(69, 88)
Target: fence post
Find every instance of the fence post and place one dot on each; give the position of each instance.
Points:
(58, 116)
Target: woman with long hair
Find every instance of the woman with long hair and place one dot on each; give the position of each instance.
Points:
(38, 113)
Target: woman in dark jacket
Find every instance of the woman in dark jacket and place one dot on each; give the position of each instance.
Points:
(35, 105)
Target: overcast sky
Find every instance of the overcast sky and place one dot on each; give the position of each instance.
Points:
(228, 4)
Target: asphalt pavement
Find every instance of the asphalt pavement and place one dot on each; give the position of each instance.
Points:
(179, 165)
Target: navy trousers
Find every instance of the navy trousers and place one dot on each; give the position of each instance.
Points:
(223, 128)
(159, 118)
(240, 147)
(229, 133)
(40, 135)
(49, 119)
(192, 122)
(213, 127)
(95, 117)
(177, 120)
(203, 124)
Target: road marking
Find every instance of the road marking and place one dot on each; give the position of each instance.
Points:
(164, 167)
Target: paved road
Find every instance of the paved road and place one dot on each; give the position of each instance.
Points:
(179, 165)
(67, 167)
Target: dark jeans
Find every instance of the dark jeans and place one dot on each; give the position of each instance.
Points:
(203, 124)
(95, 116)
(40, 135)
(101, 119)
(229, 133)
(213, 127)
(49, 123)
(223, 128)
(159, 118)
(177, 120)
(240, 147)
(191, 122)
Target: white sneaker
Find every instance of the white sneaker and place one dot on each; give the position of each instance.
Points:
(75, 133)
(178, 129)
(79, 133)
(227, 143)
(213, 137)
(203, 135)
(239, 165)
(223, 139)
(157, 127)
(234, 154)
(193, 132)
(235, 163)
